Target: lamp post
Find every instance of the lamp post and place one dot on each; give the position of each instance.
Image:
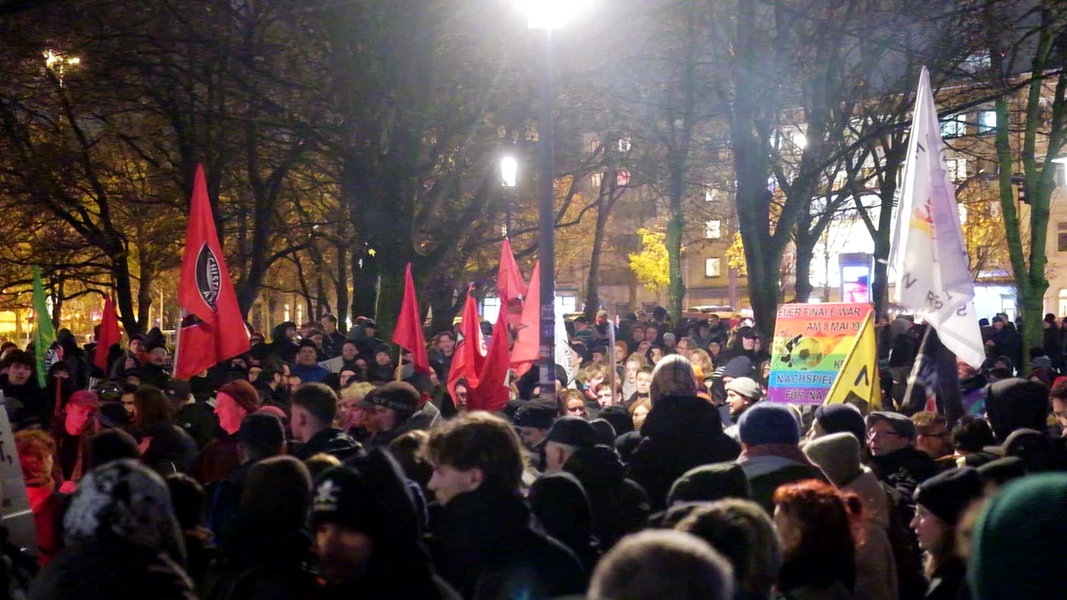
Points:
(546, 15)
(509, 169)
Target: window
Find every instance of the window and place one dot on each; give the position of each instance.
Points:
(1061, 237)
(624, 144)
(954, 127)
(622, 178)
(712, 230)
(595, 179)
(712, 267)
(957, 168)
(987, 121)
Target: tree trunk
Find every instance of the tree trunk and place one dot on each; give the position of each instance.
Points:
(592, 294)
(802, 288)
(341, 288)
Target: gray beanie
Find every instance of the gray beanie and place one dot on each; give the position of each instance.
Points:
(746, 387)
(838, 455)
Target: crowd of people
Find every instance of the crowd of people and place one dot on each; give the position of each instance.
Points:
(323, 465)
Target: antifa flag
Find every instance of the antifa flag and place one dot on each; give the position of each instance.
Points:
(216, 330)
(109, 334)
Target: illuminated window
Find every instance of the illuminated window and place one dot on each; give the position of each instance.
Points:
(712, 267)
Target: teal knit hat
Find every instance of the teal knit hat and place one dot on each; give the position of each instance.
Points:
(1018, 539)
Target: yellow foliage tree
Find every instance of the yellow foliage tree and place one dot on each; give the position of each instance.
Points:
(983, 226)
(650, 265)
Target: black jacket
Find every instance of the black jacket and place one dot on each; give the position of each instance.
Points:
(680, 432)
(904, 469)
(485, 545)
(116, 571)
(331, 441)
(620, 506)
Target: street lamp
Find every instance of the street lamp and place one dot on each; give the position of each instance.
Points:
(547, 15)
(509, 170)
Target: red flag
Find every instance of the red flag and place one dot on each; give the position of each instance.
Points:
(109, 334)
(509, 284)
(492, 391)
(206, 293)
(469, 355)
(408, 332)
(527, 348)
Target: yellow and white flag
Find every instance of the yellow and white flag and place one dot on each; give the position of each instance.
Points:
(857, 381)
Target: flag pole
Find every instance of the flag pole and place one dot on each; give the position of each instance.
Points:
(177, 341)
(916, 366)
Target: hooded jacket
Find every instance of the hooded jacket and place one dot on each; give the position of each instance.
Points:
(331, 441)
(680, 432)
(620, 506)
(485, 545)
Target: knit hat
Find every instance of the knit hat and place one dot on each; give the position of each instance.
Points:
(535, 414)
(834, 418)
(947, 494)
(746, 387)
(1002, 470)
(708, 483)
(902, 425)
(738, 366)
(261, 430)
(572, 431)
(838, 455)
(400, 396)
(343, 496)
(621, 420)
(767, 423)
(84, 398)
(1017, 540)
(243, 393)
(605, 432)
(178, 390)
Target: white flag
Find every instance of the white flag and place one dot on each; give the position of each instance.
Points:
(563, 354)
(928, 254)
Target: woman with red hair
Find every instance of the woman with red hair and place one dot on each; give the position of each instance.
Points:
(818, 547)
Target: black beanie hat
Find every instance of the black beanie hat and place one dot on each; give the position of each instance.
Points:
(835, 418)
(343, 496)
(948, 494)
(708, 483)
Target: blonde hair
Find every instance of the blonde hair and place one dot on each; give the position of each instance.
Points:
(355, 392)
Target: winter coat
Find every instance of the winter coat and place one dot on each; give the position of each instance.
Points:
(485, 545)
(218, 459)
(620, 506)
(680, 432)
(904, 469)
(766, 473)
(331, 441)
(171, 449)
(112, 570)
(264, 563)
(199, 421)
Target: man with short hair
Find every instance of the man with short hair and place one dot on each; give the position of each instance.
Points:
(685, 346)
(932, 437)
(332, 339)
(314, 407)
(663, 563)
(307, 366)
(25, 401)
(482, 541)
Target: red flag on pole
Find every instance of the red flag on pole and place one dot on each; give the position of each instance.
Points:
(509, 284)
(527, 348)
(491, 392)
(469, 356)
(109, 334)
(206, 293)
(408, 332)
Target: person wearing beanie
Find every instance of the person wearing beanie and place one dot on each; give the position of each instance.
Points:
(833, 418)
(940, 502)
(306, 365)
(567, 435)
(708, 483)
(389, 409)
(560, 504)
(681, 431)
(381, 368)
(770, 456)
(741, 393)
(838, 456)
(233, 402)
(1018, 539)
(364, 526)
(894, 457)
(72, 434)
(197, 417)
(533, 420)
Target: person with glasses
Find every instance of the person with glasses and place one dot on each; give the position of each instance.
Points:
(932, 437)
(895, 459)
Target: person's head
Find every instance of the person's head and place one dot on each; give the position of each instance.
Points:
(307, 354)
(533, 420)
(606, 395)
(932, 434)
(349, 350)
(813, 525)
(837, 418)
(633, 363)
(122, 501)
(35, 452)
(939, 504)
(707, 483)
(462, 394)
(314, 407)
(744, 534)
(111, 444)
(187, 496)
(157, 354)
(573, 402)
(80, 410)
(568, 435)
(748, 338)
(407, 449)
(392, 404)
(621, 350)
(277, 494)
(742, 393)
(888, 432)
(837, 455)
(685, 347)
(768, 424)
(233, 401)
(150, 406)
(20, 366)
(272, 373)
(643, 381)
(473, 451)
(971, 434)
(672, 376)
(261, 435)
(637, 333)
(329, 323)
(382, 356)
(651, 333)
(662, 563)
(1016, 403)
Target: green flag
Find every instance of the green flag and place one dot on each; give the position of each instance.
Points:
(43, 332)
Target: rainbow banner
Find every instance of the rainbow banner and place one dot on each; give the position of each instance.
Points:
(811, 344)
